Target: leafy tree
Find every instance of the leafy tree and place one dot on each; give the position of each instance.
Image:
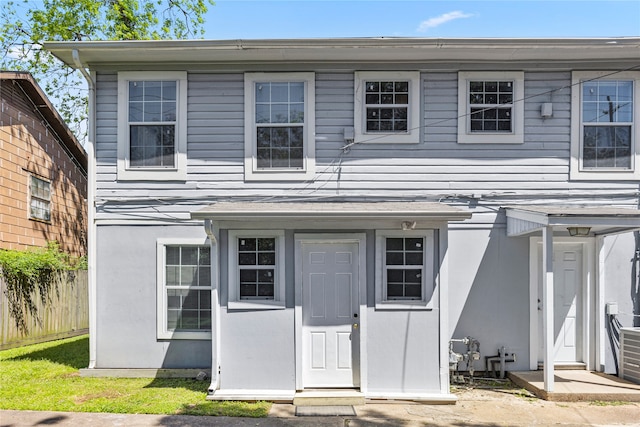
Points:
(25, 25)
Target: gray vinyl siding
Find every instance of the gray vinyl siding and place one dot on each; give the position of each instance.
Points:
(436, 167)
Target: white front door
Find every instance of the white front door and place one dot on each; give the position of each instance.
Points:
(329, 313)
(568, 305)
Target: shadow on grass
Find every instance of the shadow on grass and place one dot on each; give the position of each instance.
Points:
(70, 353)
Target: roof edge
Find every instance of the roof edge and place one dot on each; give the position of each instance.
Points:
(43, 105)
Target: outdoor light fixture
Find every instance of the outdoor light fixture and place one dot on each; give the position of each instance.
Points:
(408, 225)
(578, 231)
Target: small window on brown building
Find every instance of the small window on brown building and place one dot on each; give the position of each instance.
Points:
(40, 199)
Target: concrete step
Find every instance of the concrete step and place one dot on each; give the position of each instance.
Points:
(328, 397)
(565, 366)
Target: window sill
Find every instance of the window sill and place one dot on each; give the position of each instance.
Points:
(604, 175)
(151, 175)
(168, 335)
(409, 305)
(256, 305)
(267, 175)
(490, 138)
(387, 138)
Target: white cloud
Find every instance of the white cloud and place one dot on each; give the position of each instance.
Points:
(442, 19)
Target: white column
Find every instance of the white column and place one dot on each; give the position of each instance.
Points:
(547, 307)
(443, 309)
(214, 237)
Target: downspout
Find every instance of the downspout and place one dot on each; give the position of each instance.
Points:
(213, 233)
(91, 223)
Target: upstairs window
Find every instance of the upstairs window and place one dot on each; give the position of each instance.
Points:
(387, 108)
(490, 107)
(605, 126)
(39, 199)
(152, 126)
(280, 126)
(152, 123)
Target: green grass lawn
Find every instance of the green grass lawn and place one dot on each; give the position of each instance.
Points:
(44, 377)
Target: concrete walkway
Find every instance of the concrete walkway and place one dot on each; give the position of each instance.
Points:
(576, 385)
(475, 407)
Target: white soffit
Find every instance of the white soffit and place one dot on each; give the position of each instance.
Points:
(378, 50)
(522, 220)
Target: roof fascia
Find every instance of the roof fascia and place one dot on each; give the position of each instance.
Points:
(390, 50)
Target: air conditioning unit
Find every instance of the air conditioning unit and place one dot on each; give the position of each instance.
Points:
(630, 354)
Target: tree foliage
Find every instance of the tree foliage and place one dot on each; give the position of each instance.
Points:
(25, 25)
(33, 273)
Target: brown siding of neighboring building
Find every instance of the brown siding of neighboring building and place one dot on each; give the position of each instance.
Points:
(29, 147)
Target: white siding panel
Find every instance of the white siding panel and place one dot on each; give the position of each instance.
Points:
(438, 166)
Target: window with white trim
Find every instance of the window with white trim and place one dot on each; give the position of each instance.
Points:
(39, 199)
(604, 126)
(279, 126)
(491, 107)
(152, 125)
(387, 107)
(404, 269)
(184, 289)
(256, 269)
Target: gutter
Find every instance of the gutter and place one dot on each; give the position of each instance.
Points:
(91, 223)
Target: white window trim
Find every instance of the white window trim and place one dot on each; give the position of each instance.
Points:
(161, 304)
(31, 197)
(235, 303)
(465, 136)
(179, 172)
(412, 136)
(576, 172)
(428, 278)
(251, 171)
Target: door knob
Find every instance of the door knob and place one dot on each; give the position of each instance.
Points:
(355, 326)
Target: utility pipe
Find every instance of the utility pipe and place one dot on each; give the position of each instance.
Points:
(91, 223)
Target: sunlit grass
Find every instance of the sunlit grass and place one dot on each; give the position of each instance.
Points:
(45, 377)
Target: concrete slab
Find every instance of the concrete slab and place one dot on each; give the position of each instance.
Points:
(328, 397)
(578, 385)
(325, 411)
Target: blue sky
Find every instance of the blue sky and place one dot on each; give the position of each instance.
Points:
(251, 19)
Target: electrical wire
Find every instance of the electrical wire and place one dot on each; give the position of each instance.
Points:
(335, 167)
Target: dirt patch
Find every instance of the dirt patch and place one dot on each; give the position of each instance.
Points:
(107, 394)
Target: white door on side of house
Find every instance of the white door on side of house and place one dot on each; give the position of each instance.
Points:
(329, 313)
(567, 298)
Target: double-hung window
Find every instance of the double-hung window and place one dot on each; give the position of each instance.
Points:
(605, 126)
(152, 125)
(387, 108)
(491, 107)
(184, 289)
(39, 199)
(279, 126)
(404, 269)
(256, 269)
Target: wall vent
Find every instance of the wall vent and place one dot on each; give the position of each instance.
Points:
(630, 354)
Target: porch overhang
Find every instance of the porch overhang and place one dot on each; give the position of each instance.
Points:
(527, 220)
(551, 221)
(338, 215)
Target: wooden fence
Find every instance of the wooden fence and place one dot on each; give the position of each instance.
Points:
(67, 315)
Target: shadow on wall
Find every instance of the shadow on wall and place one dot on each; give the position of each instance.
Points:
(496, 304)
